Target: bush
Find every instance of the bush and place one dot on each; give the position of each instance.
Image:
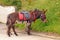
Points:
(16, 3)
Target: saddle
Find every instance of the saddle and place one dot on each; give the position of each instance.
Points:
(24, 16)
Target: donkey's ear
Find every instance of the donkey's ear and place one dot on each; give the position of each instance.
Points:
(45, 11)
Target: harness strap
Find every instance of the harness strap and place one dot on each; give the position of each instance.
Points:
(32, 14)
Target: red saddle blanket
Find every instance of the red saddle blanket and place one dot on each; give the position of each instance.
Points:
(21, 16)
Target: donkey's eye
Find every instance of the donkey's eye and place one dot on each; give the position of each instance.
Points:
(41, 15)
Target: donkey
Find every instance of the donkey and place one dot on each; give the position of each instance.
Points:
(34, 15)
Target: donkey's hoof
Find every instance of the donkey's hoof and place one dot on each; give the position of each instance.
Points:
(9, 35)
(28, 33)
(16, 34)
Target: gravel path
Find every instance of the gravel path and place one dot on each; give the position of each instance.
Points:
(22, 35)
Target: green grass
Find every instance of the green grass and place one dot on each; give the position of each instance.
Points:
(20, 26)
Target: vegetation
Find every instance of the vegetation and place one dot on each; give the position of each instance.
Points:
(16, 3)
(52, 14)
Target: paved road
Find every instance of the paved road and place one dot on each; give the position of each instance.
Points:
(22, 35)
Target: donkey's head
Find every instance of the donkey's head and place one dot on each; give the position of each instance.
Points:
(43, 15)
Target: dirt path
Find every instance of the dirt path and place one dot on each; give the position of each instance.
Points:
(22, 35)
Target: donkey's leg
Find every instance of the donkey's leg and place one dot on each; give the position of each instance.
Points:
(14, 30)
(8, 32)
(28, 28)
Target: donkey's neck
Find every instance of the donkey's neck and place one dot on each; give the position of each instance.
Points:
(37, 16)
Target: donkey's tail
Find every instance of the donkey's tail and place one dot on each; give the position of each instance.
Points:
(8, 21)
